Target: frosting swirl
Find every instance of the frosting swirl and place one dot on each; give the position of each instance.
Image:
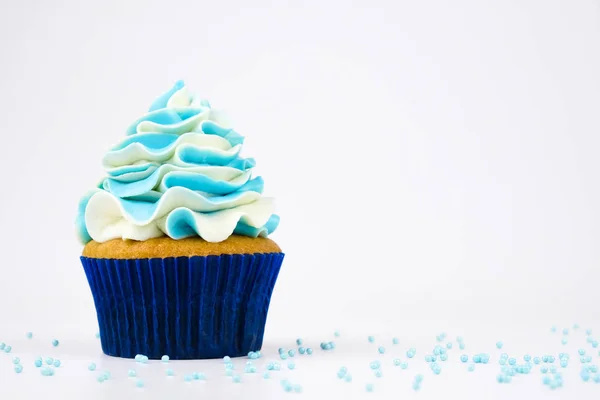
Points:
(178, 173)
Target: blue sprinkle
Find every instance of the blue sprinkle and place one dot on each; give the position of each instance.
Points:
(435, 368)
(286, 385)
(131, 373)
(588, 332)
(55, 342)
(411, 352)
(565, 331)
(512, 361)
(57, 363)
(336, 333)
(576, 326)
(563, 363)
(100, 378)
(464, 358)
(444, 357)
(198, 376)
(38, 363)
(16, 360)
(378, 373)
(291, 365)
(395, 340)
(403, 365)
(164, 358)
(449, 345)
(283, 356)
(500, 378)
(49, 360)
(471, 367)
(553, 329)
(276, 366)
(594, 343)
(461, 346)
(499, 345)
(546, 380)
(187, 378)
(477, 358)
(139, 383)
(309, 351)
(169, 372)
(396, 361)
(375, 365)
(250, 369)
(585, 375)
(443, 350)
(348, 378)
(381, 349)
(527, 357)
(29, 335)
(592, 368)
(18, 368)
(459, 339)
(91, 367)
(299, 342)
(564, 341)
(369, 387)
(229, 372)
(226, 359)
(552, 369)
(2, 345)
(371, 339)
(266, 375)
(47, 371)
(301, 350)
(536, 360)
(298, 388)
(543, 369)
(97, 335)
(291, 353)
(236, 379)
(8, 349)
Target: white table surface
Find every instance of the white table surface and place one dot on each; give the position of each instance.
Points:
(316, 373)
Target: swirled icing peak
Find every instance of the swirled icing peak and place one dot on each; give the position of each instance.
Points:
(178, 172)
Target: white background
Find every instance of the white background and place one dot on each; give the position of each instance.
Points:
(434, 163)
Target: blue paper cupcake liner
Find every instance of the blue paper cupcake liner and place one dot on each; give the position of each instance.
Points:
(184, 307)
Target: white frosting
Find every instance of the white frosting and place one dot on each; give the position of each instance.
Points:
(229, 200)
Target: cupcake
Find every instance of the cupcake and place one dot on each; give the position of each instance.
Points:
(175, 237)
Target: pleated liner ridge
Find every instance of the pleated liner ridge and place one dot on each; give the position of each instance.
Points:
(184, 307)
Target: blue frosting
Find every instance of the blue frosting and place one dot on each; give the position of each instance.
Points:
(178, 165)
